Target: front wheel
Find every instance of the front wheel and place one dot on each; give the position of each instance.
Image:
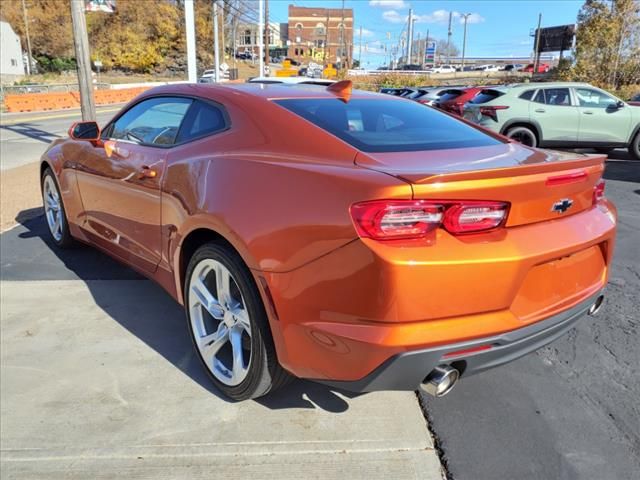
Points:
(634, 147)
(54, 212)
(524, 135)
(229, 326)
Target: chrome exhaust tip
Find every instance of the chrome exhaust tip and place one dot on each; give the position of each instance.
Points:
(595, 308)
(440, 381)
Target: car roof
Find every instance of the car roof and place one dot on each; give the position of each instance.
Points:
(542, 85)
(290, 80)
(248, 91)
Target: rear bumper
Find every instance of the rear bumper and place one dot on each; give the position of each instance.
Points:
(406, 371)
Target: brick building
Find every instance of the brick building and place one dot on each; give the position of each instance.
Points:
(321, 35)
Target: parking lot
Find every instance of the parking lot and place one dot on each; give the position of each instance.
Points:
(99, 378)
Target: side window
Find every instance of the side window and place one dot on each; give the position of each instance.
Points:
(203, 119)
(527, 95)
(154, 121)
(539, 98)
(594, 99)
(558, 96)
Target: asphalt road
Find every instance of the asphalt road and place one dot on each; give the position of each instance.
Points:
(24, 136)
(571, 410)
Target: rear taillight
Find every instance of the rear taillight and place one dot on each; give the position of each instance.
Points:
(406, 219)
(491, 112)
(598, 192)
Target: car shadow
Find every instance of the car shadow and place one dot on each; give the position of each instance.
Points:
(622, 170)
(28, 130)
(28, 253)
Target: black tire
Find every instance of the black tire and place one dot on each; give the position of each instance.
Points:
(524, 135)
(634, 147)
(264, 373)
(64, 239)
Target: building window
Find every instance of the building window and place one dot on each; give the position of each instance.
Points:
(320, 30)
(14, 62)
(246, 38)
(319, 43)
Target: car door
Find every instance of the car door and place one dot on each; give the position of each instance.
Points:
(119, 179)
(601, 119)
(555, 115)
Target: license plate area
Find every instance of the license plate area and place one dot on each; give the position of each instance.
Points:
(561, 282)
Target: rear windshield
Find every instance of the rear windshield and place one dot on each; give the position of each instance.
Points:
(450, 95)
(486, 96)
(387, 125)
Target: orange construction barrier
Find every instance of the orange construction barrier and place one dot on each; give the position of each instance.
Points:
(35, 102)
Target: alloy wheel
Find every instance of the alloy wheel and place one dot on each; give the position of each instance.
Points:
(52, 208)
(220, 321)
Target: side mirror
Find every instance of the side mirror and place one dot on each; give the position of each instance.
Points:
(620, 104)
(85, 131)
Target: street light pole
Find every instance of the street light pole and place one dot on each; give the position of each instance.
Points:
(410, 36)
(83, 60)
(464, 38)
(192, 70)
(216, 40)
(259, 35)
(26, 32)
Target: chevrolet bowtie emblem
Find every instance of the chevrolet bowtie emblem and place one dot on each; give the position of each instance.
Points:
(562, 206)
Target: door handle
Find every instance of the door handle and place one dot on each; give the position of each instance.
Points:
(588, 113)
(540, 110)
(147, 172)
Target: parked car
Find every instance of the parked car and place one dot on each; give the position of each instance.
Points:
(413, 67)
(542, 68)
(208, 76)
(512, 67)
(453, 99)
(567, 115)
(443, 69)
(487, 68)
(331, 236)
(397, 92)
(429, 95)
(635, 100)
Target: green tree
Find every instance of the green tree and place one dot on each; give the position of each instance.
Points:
(607, 51)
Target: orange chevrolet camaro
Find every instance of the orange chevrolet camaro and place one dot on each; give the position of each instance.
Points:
(356, 239)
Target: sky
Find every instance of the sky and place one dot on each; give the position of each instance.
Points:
(494, 28)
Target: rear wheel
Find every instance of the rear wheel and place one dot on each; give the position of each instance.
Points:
(54, 212)
(524, 135)
(634, 147)
(229, 326)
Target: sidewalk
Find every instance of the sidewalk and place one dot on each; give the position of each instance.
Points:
(99, 380)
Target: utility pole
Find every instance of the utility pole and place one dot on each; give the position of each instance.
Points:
(326, 40)
(26, 32)
(536, 55)
(449, 39)
(464, 38)
(191, 41)
(342, 47)
(410, 37)
(360, 49)
(216, 41)
(260, 29)
(267, 56)
(83, 60)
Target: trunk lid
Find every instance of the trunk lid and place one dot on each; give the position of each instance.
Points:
(539, 185)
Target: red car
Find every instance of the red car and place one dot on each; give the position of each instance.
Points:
(542, 68)
(453, 100)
